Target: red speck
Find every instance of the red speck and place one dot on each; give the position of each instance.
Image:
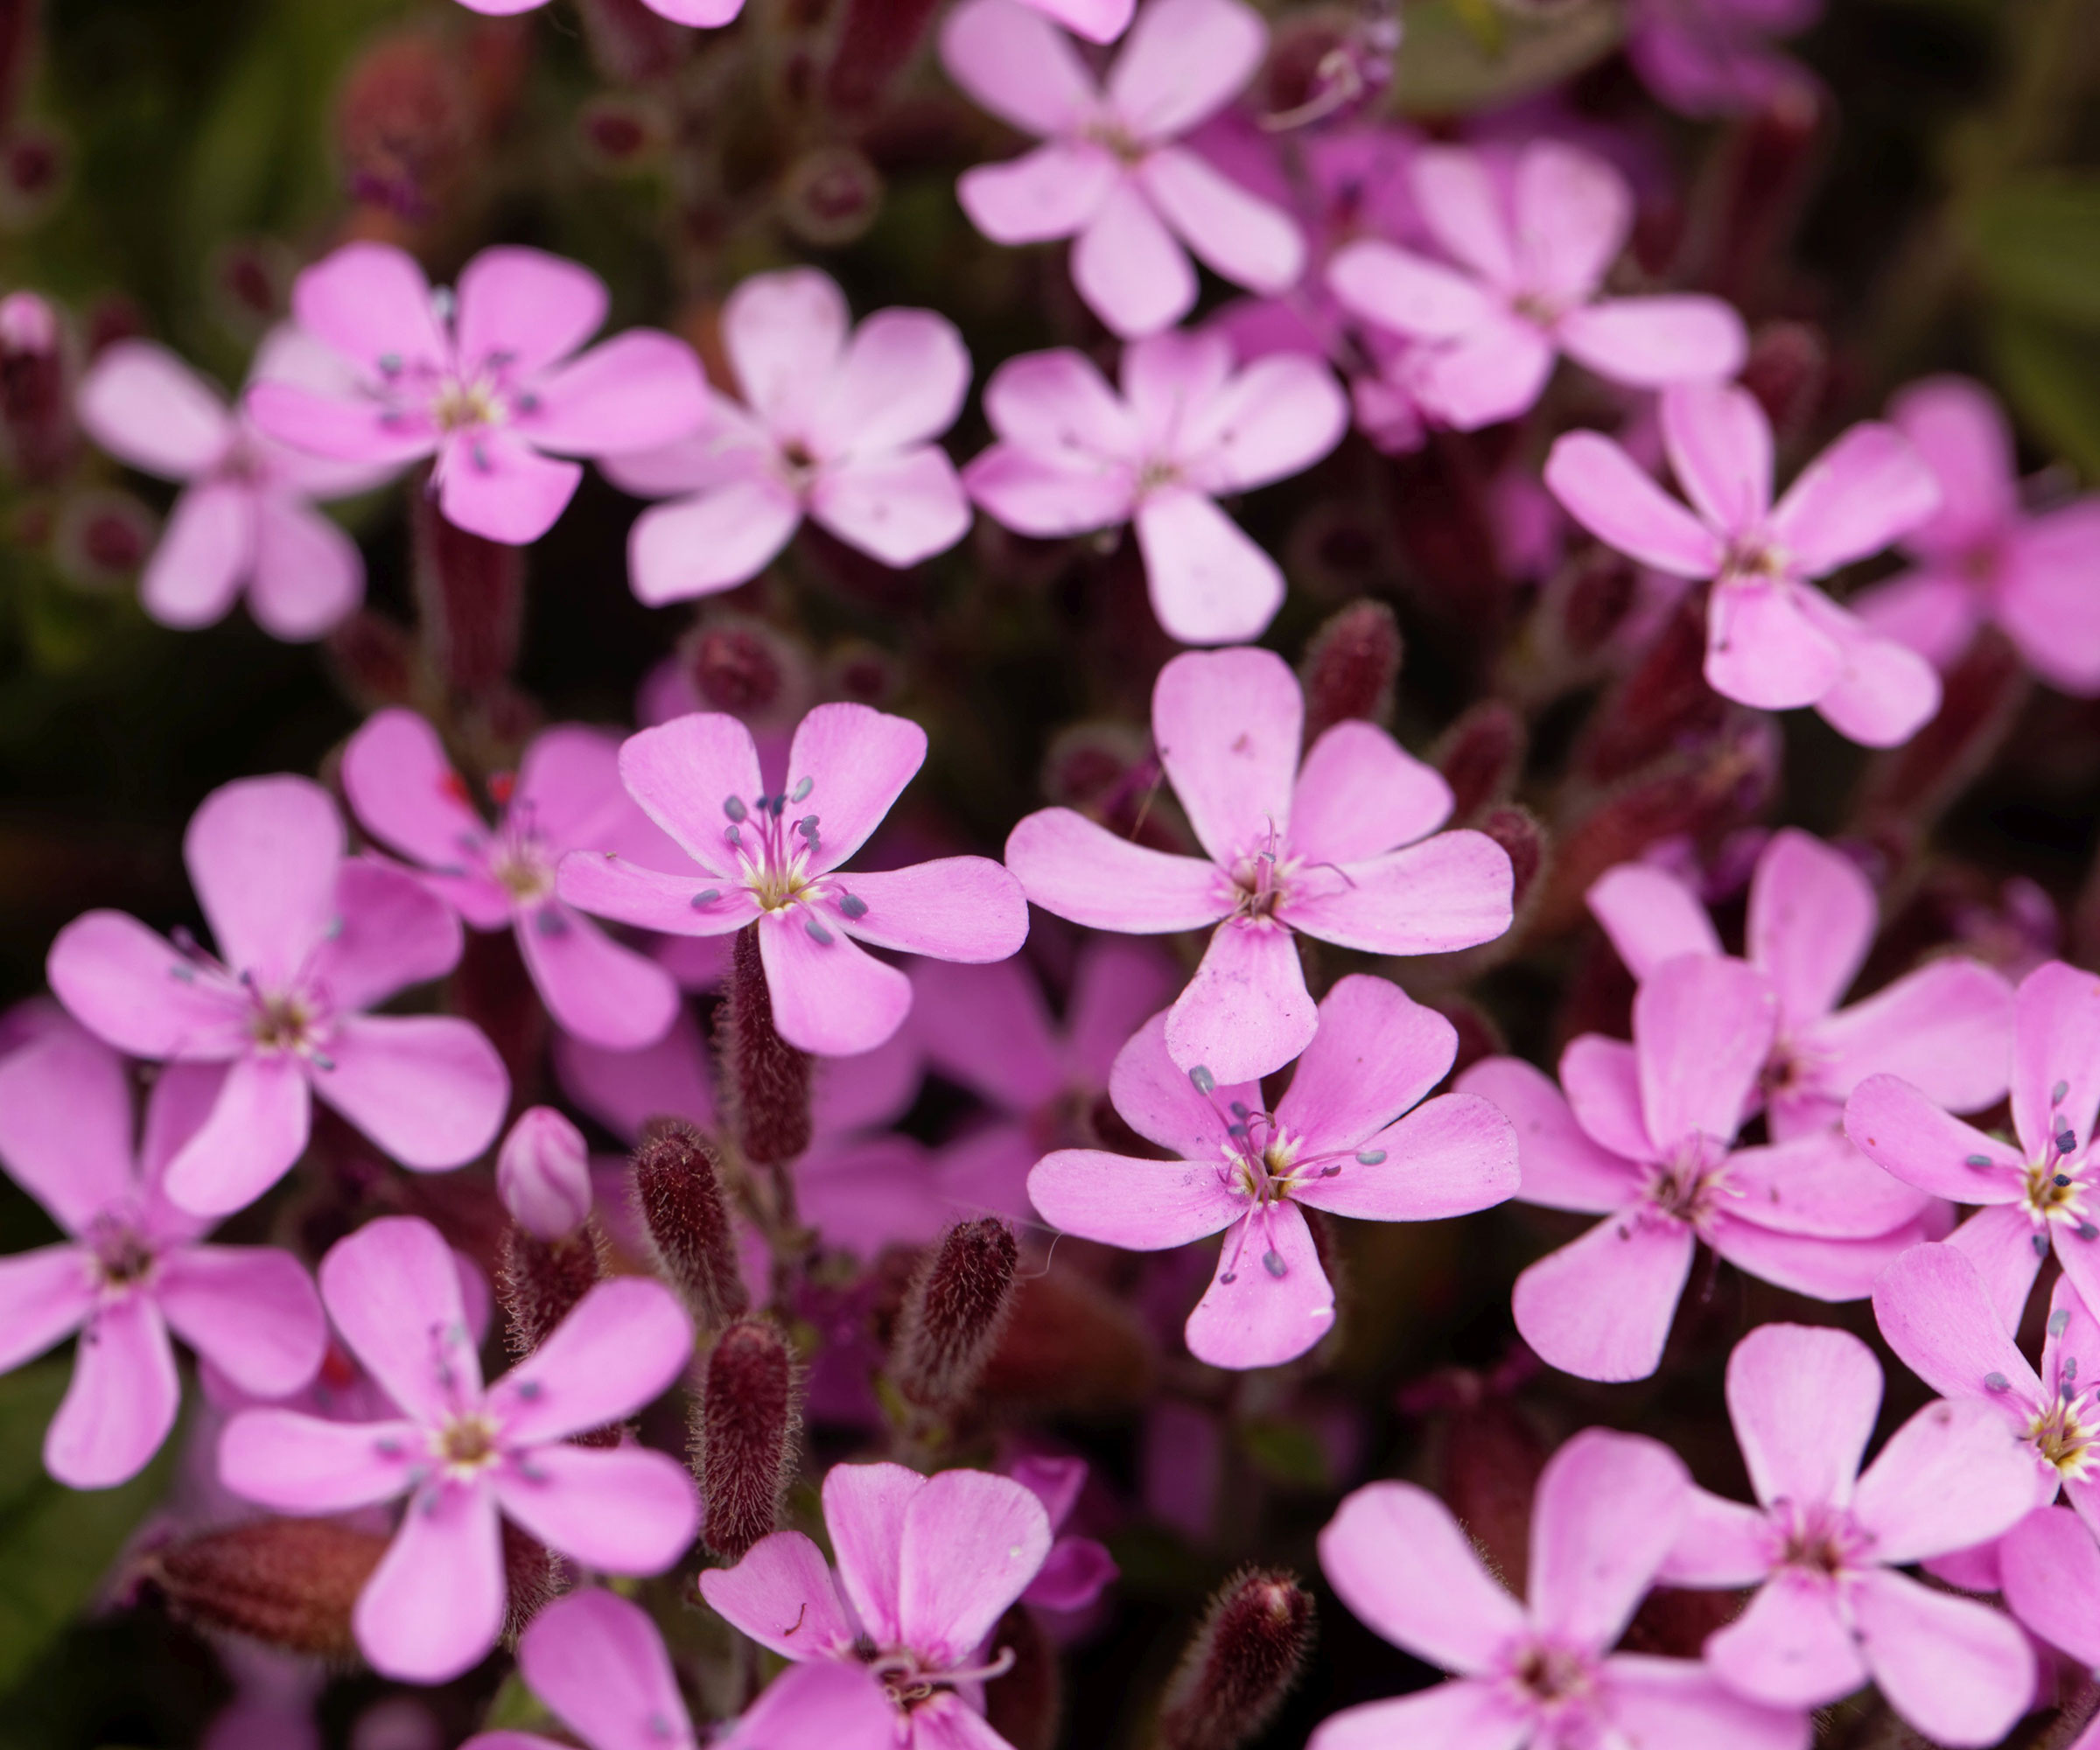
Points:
(501, 785)
(454, 787)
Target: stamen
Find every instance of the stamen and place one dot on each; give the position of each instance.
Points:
(2058, 1093)
(818, 933)
(2063, 1181)
(801, 790)
(2042, 1246)
(1205, 1081)
(1980, 1160)
(1997, 1382)
(1273, 1263)
(1369, 1158)
(2067, 1142)
(733, 806)
(2086, 1230)
(706, 897)
(2060, 1321)
(853, 905)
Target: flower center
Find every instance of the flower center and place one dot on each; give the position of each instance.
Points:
(1688, 1187)
(1819, 1540)
(910, 1682)
(1113, 136)
(465, 1445)
(122, 1258)
(1156, 475)
(1553, 1678)
(287, 1021)
(2055, 1186)
(523, 870)
(456, 405)
(1261, 878)
(776, 856)
(1756, 559)
(2067, 1435)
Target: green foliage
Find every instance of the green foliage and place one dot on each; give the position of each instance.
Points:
(2035, 243)
(1462, 55)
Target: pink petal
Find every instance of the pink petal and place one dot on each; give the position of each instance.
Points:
(1936, 1314)
(392, 1290)
(1209, 581)
(1408, 293)
(1719, 444)
(2056, 1040)
(782, 1595)
(1606, 1510)
(866, 1508)
(1172, 384)
(626, 1509)
(251, 1310)
(1128, 267)
(1182, 62)
(1052, 191)
(1099, 21)
(1360, 793)
(1376, 1054)
(594, 987)
(1601, 1078)
(308, 574)
(1884, 693)
(1233, 232)
(620, 1348)
(1407, 1570)
(405, 792)
(700, 14)
(1573, 214)
(711, 541)
(2051, 1567)
(1763, 647)
(1079, 869)
(1959, 431)
(1275, 418)
(1449, 891)
(1792, 1647)
(1047, 498)
(569, 791)
(1600, 1307)
(1057, 404)
(46, 1295)
(1946, 1029)
(1953, 1475)
(972, 1542)
(1453, 1716)
(1256, 1313)
(263, 854)
(683, 774)
(434, 1606)
(1140, 1205)
(1721, 1544)
(899, 509)
(966, 909)
(831, 996)
(1677, 1702)
(1116, 985)
(1463, 210)
(901, 382)
(1935, 614)
(862, 1196)
(257, 1128)
(371, 302)
(1246, 1011)
(1158, 1101)
(1012, 61)
(428, 1089)
(988, 1028)
(624, 1089)
(341, 430)
(391, 932)
(1803, 1400)
(606, 886)
(637, 390)
(1228, 725)
(66, 1125)
(1819, 1184)
(1491, 374)
(1704, 1028)
(300, 1464)
(1610, 495)
(734, 447)
(1960, 1671)
(1866, 490)
(1561, 1168)
(599, 1662)
(122, 1399)
(146, 407)
(855, 762)
(1902, 1131)
(497, 486)
(784, 333)
(1653, 342)
(131, 987)
(1821, 1269)
(531, 308)
(1812, 918)
(1076, 1572)
(206, 552)
(2045, 603)
(1650, 915)
(1449, 1157)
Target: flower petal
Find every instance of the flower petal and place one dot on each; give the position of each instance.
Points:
(1052, 191)
(494, 484)
(1450, 891)
(1960, 1671)
(2045, 602)
(1464, 211)
(831, 997)
(1866, 491)
(46, 1295)
(1764, 647)
(1819, 1184)
(393, 1290)
(146, 407)
(965, 908)
(1182, 62)
(1046, 498)
(1959, 431)
(1376, 1054)
(1270, 1300)
(1952, 1476)
(1450, 1156)
(66, 1125)
(1011, 61)
(308, 573)
(1607, 1508)
(251, 1310)
(1936, 1314)
(405, 793)
(1679, 1702)
(850, 763)
(122, 1399)
(1600, 1307)
(866, 1508)
(526, 306)
(1453, 1716)
(258, 1127)
(1209, 583)
(1560, 1167)
(391, 932)
(371, 302)
(428, 1089)
(1885, 692)
(1703, 1029)
(1610, 495)
(971, 1544)
(1653, 342)
(617, 1350)
(300, 1464)
(594, 987)
(1812, 919)
(1902, 1131)
(1360, 792)
(1407, 293)
(1946, 1029)
(1491, 374)
(1574, 212)
(2051, 1567)
(1159, 1100)
(263, 855)
(1246, 1011)
(434, 1606)
(608, 887)
(1079, 869)
(639, 390)
(1140, 1205)
(206, 552)
(782, 1596)
(784, 333)
(1232, 231)
(1601, 1078)
(599, 1663)
(1406, 1569)
(2056, 1040)
(132, 988)
(711, 541)
(900, 509)
(626, 1509)
(900, 384)
(1803, 1400)
(1129, 267)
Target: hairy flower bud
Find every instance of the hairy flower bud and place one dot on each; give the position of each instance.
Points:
(289, 1583)
(543, 1174)
(471, 594)
(540, 1281)
(1241, 1663)
(743, 1434)
(1481, 756)
(1350, 667)
(768, 1078)
(404, 124)
(1518, 831)
(678, 1186)
(954, 1311)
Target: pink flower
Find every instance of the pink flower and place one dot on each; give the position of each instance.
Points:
(697, 777)
(1773, 640)
(1981, 558)
(245, 521)
(1825, 1541)
(1644, 1134)
(131, 1266)
(543, 1174)
(1945, 1027)
(1110, 172)
(567, 797)
(1541, 1676)
(1077, 1570)
(837, 426)
(703, 13)
(1345, 1137)
(926, 1566)
(2052, 1576)
(1709, 57)
(308, 940)
(2044, 1188)
(1187, 429)
(483, 380)
(1532, 258)
(1288, 848)
(467, 1455)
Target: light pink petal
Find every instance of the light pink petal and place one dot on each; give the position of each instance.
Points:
(2056, 1040)
(1209, 581)
(1099, 21)
(569, 790)
(528, 307)
(1117, 984)
(1933, 613)
(1962, 1672)
(146, 407)
(1946, 1029)
(44, 1296)
(1885, 692)
(405, 793)
(1650, 915)
(434, 1606)
(1453, 1716)
(1704, 1028)
(862, 1196)
(966, 909)
(357, 432)
(1903, 1132)
(901, 382)
(1953, 1475)
(988, 1028)
(1573, 214)
(1071, 866)
(1721, 1544)
(371, 302)
(1076, 1572)
(495, 484)
(1671, 1702)
(207, 549)
(855, 762)
(1866, 490)
(391, 932)
(66, 1125)
(2046, 601)
(825, 1706)
(1653, 342)
(257, 1128)
(1233, 232)
(1610, 495)
(1764, 649)
(1360, 793)
(1449, 1157)
(784, 333)
(1463, 209)
(831, 997)
(262, 854)
(1057, 404)
(1407, 293)
(1935, 1311)
(1228, 726)
(1449, 891)
(1606, 1513)
(626, 1509)
(594, 987)
(637, 390)
(1052, 191)
(1273, 419)
(251, 1310)
(300, 1464)
(1819, 1184)
(972, 1542)
(782, 1595)
(1012, 61)
(1792, 1646)
(308, 573)
(2051, 1567)
(1812, 918)
(1821, 1269)
(899, 509)
(1803, 1400)
(1047, 498)
(700, 14)
(1158, 1101)
(428, 1089)
(1376, 1054)
(1246, 1011)
(1602, 1080)
(1719, 445)
(1600, 1307)
(1959, 431)
(730, 449)
(866, 1508)
(622, 1346)
(683, 774)
(393, 1290)
(1140, 1205)
(1561, 1168)
(131, 986)
(1182, 61)
(606, 886)
(1269, 1301)
(122, 1399)
(623, 1090)
(599, 1662)
(1490, 374)
(1405, 1568)
(1127, 265)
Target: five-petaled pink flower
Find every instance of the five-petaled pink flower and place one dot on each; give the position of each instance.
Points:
(697, 777)
(1773, 639)
(468, 1456)
(1110, 171)
(132, 1265)
(1288, 848)
(245, 519)
(1533, 245)
(1643, 1134)
(1946, 1027)
(1710, 57)
(926, 1567)
(1350, 1136)
(1982, 558)
(567, 796)
(1824, 1540)
(1188, 428)
(2043, 1188)
(308, 939)
(1538, 1676)
(835, 425)
(482, 380)
(701, 13)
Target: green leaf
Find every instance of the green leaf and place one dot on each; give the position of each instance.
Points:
(2052, 375)
(1449, 64)
(2036, 241)
(1288, 1452)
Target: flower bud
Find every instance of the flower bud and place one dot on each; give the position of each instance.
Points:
(543, 1174)
(829, 196)
(289, 1583)
(954, 1311)
(1518, 831)
(539, 1283)
(744, 1435)
(768, 1078)
(1241, 1663)
(678, 1186)
(404, 124)
(1349, 668)
(1481, 756)
(530, 1581)
(470, 597)
(29, 327)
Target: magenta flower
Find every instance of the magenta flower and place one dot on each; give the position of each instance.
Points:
(1825, 1541)
(697, 777)
(567, 797)
(1341, 848)
(1532, 256)
(308, 940)
(131, 1266)
(245, 521)
(1351, 1135)
(1187, 429)
(1111, 173)
(467, 1455)
(1710, 57)
(703, 13)
(834, 426)
(2045, 1188)
(926, 1566)
(1077, 1570)
(483, 380)
(1773, 640)
(1541, 1676)
(2052, 1576)
(1981, 558)
(1644, 1134)
(1947, 1027)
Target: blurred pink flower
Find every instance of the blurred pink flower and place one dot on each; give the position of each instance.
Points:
(543, 1174)
(1077, 1570)
(702, 13)
(1710, 57)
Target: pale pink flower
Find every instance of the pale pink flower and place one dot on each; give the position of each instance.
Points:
(1077, 1570)
(567, 796)
(543, 1174)
(1351, 1136)
(926, 1567)
(1947, 1027)
(2040, 1191)
(1343, 847)
(1539, 1676)
(701, 13)
(697, 777)
(308, 940)
(468, 1456)
(839, 426)
(245, 521)
(1773, 640)
(1710, 57)
(1824, 1542)
(1644, 1135)
(1187, 429)
(1532, 250)
(132, 1265)
(1982, 558)
(483, 380)
(2051, 1568)
(1111, 173)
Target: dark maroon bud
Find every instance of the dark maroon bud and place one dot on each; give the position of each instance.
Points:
(404, 124)
(678, 1189)
(1491, 1462)
(102, 537)
(1662, 705)
(619, 132)
(1349, 668)
(33, 165)
(33, 387)
(740, 664)
(1593, 594)
(530, 1577)
(863, 673)
(745, 1430)
(1481, 756)
(768, 1079)
(829, 196)
(1517, 830)
(470, 593)
(1746, 209)
(1241, 1664)
(374, 658)
(954, 1311)
(1787, 370)
(538, 1282)
(289, 1583)
(630, 44)
(876, 39)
